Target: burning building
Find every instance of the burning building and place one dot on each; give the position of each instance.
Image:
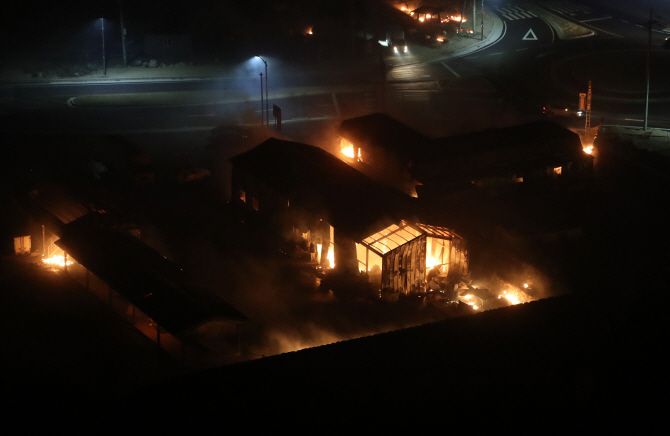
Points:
(393, 153)
(311, 194)
(382, 148)
(412, 255)
(106, 256)
(345, 219)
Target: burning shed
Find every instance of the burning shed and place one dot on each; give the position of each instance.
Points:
(414, 257)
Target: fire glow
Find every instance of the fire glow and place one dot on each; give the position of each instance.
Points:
(588, 149)
(515, 295)
(347, 149)
(56, 261)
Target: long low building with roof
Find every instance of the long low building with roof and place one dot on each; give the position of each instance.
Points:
(393, 153)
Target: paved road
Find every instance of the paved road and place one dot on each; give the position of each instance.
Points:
(530, 61)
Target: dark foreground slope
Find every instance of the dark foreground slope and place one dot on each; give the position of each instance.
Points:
(563, 358)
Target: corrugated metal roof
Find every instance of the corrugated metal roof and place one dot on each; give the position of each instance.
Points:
(57, 203)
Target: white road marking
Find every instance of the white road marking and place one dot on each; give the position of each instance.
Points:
(519, 49)
(493, 54)
(632, 119)
(450, 69)
(596, 19)
(530, 36)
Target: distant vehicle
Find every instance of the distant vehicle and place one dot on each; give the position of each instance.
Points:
(570, 110)
(399, 46)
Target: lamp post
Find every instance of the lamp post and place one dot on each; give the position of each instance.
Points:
(262, 98)
(104, 62)
(123, 34)
(267, 111)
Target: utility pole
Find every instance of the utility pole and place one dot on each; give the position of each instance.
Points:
(481, 11)
(474, 17)
(104, 61)
(123, 34)
(649, 25)
(587, 127)
(646, 99)
(353, 27)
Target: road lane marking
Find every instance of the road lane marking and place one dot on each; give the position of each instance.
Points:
(632, 119)
(499, 53)
(450, 69)
(472, 57)
(596, 19)
(519, 49)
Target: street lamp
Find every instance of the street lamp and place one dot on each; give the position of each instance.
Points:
(104, 62)
(267, 111)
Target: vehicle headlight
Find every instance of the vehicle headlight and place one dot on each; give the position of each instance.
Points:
(395, 49)
(405, 49)
(579, 113)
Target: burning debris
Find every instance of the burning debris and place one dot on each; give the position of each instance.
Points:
(57, 260)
